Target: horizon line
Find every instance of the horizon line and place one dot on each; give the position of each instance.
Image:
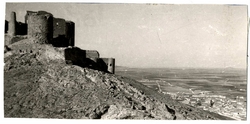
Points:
(185, 67)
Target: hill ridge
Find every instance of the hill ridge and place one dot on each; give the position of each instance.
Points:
(39, 84)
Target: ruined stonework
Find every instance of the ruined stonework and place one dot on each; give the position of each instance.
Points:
(70, 32)
(83, 58)
(111, 65)
(56, 31)
(90, 59)
(63, 33)
(12, 24)
(40, 26)
(59, 27)
(14, 28)
(92, 54)
(109, 62)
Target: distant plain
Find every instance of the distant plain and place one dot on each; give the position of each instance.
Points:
(229, 82)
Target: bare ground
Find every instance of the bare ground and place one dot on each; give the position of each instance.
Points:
(38, 84)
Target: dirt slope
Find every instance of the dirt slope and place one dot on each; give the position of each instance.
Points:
(38, 84)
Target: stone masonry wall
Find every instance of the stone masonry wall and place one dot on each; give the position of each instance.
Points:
(63, 33)
(70, 32)
(12, 24)
(40, 27)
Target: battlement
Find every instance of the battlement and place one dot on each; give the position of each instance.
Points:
(41, 27)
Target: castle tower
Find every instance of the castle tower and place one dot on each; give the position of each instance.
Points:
(40, 26)
(12, 24)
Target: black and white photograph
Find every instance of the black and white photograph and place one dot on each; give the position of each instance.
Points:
(125, 61)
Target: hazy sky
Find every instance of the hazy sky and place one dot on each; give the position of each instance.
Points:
(140, 35)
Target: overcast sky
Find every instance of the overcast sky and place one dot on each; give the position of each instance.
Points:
(147, 35)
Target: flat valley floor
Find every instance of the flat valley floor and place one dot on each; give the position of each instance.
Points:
(222, 91)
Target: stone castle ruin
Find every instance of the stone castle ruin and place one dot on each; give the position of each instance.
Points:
(41, 27)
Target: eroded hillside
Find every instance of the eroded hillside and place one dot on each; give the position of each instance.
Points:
(38, 84)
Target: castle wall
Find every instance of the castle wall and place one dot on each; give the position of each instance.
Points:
(70, 32)
(59, 27)
(20, 28)
(92, 54)
(40, 26)
(77, 55)
(109, 64)
(14, 28)
(90, 59)
(64, 33)
(39, 29)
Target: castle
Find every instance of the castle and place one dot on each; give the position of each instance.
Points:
(41, 27)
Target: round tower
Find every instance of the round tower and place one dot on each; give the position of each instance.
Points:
(40, 27)
(12, 24)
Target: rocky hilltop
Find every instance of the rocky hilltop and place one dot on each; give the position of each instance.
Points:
(39, 84)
